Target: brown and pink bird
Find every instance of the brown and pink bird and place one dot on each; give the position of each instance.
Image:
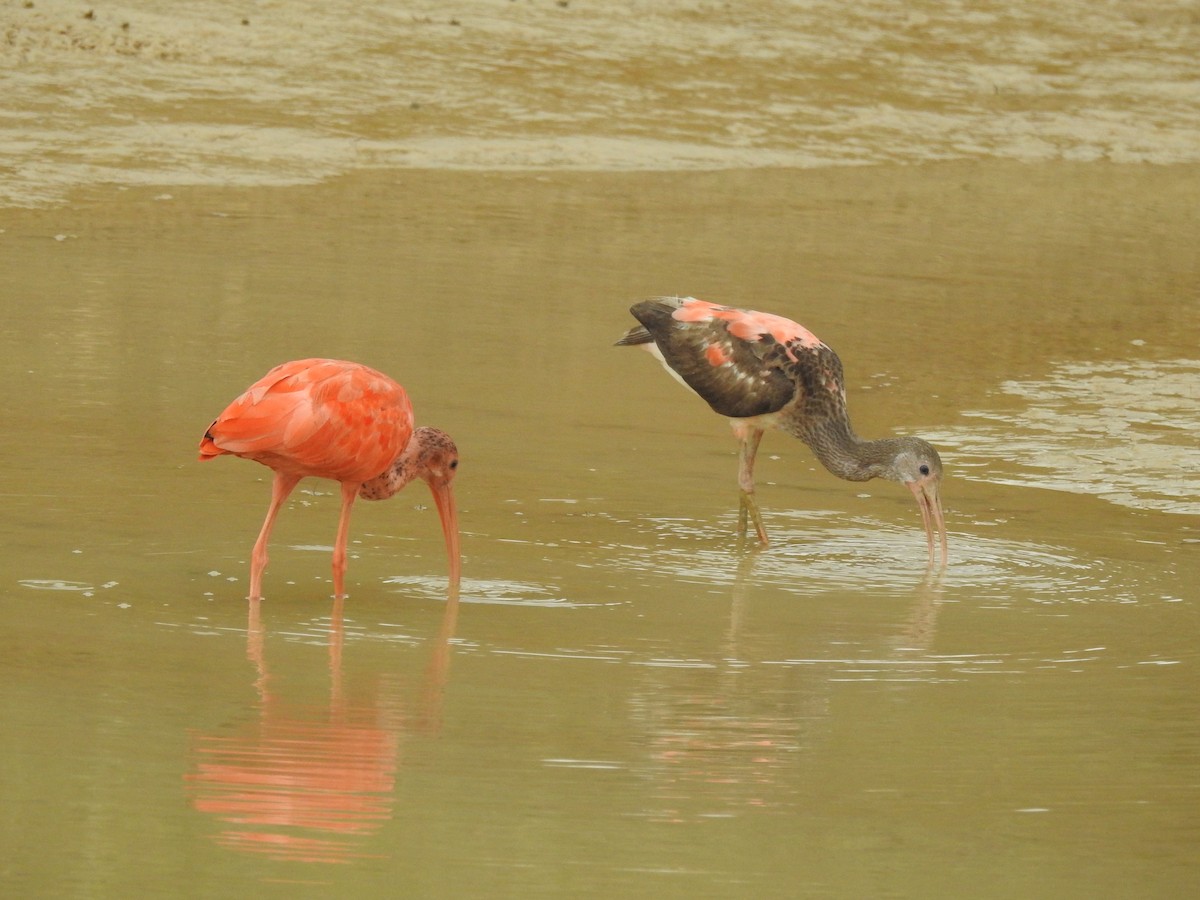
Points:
(327, 418)
(764, 371)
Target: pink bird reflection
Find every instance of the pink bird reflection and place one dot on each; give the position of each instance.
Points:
(311, 783)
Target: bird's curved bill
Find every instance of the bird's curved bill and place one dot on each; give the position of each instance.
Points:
(443, 498)
(929, 500)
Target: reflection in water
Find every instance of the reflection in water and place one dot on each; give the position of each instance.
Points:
(921, 628)
(708, 757)
(715, 741)
(731, 745)
(310, 783)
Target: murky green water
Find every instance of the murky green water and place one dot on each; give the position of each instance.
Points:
(621, 704)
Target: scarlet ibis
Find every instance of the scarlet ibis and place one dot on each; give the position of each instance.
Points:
(329, 418)
(762, 370)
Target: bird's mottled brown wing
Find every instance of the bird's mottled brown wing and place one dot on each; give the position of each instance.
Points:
(743, 363)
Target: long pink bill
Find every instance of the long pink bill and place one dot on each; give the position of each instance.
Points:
(930, 502)
(443, 498)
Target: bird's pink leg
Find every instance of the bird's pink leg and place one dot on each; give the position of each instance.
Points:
(280, 488)
(748, 441)
(349, 492)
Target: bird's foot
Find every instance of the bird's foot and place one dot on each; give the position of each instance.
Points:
(748, 512)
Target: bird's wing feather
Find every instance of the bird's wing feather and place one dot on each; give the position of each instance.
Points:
(317, 417)
(742, 363)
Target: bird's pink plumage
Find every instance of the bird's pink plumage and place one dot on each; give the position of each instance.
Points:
(746, 325)
(321, 417)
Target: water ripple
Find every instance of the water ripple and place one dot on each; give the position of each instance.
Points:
(55, 584)
(1121, 430)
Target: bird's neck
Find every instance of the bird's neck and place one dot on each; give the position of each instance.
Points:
(844, 453)
(394, 478)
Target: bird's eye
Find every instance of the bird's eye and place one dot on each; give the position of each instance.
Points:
(924, 470)
(454, 464)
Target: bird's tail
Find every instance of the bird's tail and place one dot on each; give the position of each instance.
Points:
(634, 336)
(208, 448)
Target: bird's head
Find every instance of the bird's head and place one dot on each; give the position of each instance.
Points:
(436, 463)
(436, 459)
(918, 467)
(914, 460)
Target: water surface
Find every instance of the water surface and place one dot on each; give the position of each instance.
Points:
(211, 92)
(621, 702)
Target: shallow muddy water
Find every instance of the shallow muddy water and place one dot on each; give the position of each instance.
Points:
(621, 702)
(289, 91)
